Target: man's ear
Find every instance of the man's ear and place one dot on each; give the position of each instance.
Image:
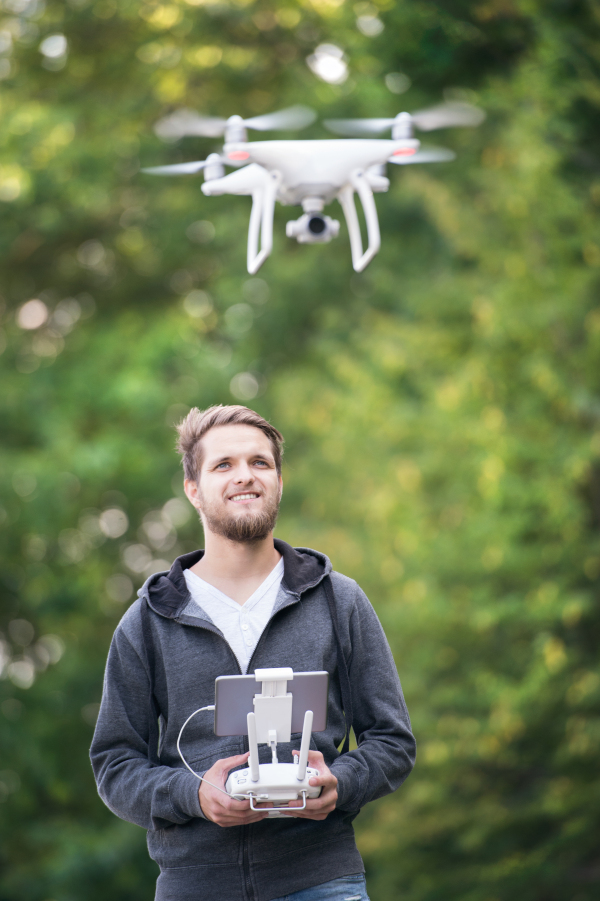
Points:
(191, 489)
(280, 487)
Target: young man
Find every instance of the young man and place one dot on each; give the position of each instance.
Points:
(247, 601)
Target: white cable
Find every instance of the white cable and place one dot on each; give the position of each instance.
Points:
(201, 778)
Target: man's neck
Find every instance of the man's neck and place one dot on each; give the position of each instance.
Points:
(236, 568)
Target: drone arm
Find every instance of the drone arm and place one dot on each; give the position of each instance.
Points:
(359, 183)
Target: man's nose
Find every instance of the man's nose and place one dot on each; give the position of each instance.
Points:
(244, 474)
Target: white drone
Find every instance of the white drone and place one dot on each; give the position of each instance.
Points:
(310, 174)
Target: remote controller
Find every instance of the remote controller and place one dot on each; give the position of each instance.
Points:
(278, 783)
(270, 722)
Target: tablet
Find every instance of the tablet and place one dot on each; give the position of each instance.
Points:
(234, 701)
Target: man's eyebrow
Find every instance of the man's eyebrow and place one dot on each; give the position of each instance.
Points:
(222, 459)
(225, 458)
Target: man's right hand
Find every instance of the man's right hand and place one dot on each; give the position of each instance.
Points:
(221, 808)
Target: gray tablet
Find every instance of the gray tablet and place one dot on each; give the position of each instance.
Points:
(234, 696)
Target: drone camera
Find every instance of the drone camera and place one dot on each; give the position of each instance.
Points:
(317, 225)
(313, 228)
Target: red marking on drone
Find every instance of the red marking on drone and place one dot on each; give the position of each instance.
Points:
(238, 155)
(404, 151)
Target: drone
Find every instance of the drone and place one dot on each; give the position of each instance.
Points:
(310, 173)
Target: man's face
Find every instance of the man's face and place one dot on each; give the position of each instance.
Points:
(239, 490)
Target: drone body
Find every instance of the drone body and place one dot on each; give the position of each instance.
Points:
(318, 167)
(309, 173)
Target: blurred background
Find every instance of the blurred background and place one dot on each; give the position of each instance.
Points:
(441, 409)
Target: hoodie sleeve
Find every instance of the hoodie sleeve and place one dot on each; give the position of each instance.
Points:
(386, 749)
(134, 789)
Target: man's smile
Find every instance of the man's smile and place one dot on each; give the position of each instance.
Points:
(248, 496)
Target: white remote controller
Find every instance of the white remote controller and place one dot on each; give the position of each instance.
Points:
(278, 784)
(270, 723)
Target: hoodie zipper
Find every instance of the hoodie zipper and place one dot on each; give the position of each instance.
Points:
(246, 833)
(246, 863)
(245, 829)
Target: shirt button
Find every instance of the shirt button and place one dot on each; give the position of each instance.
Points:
(248, 641)
(245, 626)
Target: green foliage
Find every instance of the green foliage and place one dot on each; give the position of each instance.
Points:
(441, 410)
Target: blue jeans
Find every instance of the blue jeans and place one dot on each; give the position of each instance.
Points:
(347, 888)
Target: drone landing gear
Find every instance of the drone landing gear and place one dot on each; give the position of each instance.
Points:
(262, 187)
(359, 183)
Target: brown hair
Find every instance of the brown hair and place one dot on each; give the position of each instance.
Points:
(197, 423)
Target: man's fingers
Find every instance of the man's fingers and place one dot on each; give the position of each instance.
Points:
(323, 779)
(236, 821)
(217, 774)
(233, 804)
(317, 808)
(317, 762)
(314, 755)
(229, 763)
(315, 758)
(250, 816)
(216, 803)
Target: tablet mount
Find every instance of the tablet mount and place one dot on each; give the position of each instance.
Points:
(270, 723)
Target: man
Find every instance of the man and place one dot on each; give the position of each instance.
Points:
(247, 601)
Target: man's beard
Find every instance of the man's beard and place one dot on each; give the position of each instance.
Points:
(245, 528)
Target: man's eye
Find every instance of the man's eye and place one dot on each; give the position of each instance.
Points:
(261, 463)
(222, 465)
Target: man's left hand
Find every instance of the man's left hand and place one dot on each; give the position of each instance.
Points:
(316, 808)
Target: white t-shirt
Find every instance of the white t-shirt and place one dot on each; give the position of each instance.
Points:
(241, 624)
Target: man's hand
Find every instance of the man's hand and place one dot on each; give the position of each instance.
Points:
(223, 809)
(317, 808)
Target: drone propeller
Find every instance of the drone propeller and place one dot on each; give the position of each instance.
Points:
(179, 168)
(448, 115)
(187, 122)
(445, 115)
(286, 119)
(424, 155)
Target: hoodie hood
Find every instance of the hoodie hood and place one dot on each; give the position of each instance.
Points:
(167, 592)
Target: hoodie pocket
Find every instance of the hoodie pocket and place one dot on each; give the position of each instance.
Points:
(203, 760)
(198, 842)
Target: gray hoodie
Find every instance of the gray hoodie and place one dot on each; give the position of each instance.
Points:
(198, 859)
